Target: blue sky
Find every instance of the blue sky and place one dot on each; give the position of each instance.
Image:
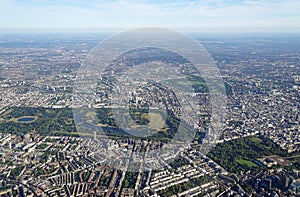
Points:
(191, 15)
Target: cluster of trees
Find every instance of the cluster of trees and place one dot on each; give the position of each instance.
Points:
(202, 180)
(86, 175)
(42, 146)
(104, 180)
(137, 115)
(105, 116)
(172, 123)
(81, 176)
(43, 171)
(178, 162)
(49, 120)
(4, 185)
(130, 179)
(140, 115)
(295, 161)
(250, 148)
(46, 155)
(198, 84)
(16, 171)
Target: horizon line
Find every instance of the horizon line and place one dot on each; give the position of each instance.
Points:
(116, 30)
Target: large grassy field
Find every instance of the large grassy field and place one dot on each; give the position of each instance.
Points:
(156, 121)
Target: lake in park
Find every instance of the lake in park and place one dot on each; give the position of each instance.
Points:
(26, 119)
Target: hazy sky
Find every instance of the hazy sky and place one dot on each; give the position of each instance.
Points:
(191, 15)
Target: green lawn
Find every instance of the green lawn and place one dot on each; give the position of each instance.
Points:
(255, 139)
(246, 162)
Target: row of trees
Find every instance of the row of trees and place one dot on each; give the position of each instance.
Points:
(175, 189)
